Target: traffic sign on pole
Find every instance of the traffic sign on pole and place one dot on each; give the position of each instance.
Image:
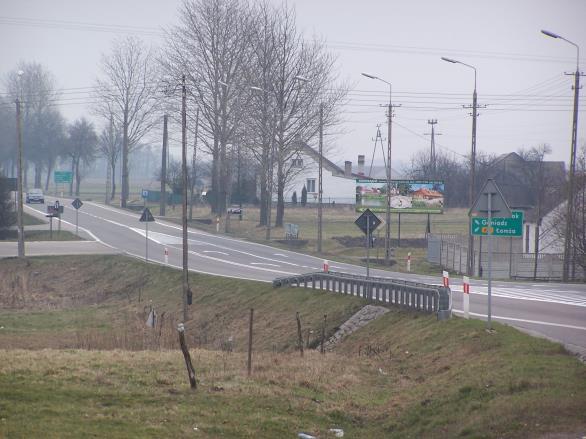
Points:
(507, 227)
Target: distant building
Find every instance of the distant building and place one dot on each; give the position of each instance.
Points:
(338, 184)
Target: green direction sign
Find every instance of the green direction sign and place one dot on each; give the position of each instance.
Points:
(511, 227)
(62, 176)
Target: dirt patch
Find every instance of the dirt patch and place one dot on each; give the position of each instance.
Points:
(293, 243)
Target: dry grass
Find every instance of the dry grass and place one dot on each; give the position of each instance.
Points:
(404, 375)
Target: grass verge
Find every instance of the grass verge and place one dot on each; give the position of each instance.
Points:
(404, 375)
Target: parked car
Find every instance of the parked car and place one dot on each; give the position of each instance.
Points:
(35, 196)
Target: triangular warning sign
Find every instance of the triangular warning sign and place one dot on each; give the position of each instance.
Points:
(147, 216)
(499, 206)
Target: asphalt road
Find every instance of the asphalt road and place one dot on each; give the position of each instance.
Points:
(553, 310)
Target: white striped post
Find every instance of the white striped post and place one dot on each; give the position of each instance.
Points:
(466, 297)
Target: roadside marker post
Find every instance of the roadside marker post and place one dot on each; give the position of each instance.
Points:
(466, 297)
(446, 278)
(166, 255)
(146, 218)
(326, 266)
(409, 262)
(218, 224)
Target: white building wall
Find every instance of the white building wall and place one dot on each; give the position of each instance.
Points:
(335, 189)
(549, 243)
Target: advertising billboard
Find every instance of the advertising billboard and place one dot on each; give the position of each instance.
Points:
(407, 196)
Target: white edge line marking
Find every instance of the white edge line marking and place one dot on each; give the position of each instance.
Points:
(264, 263)
(216, 251)
(83, 229)
(513, 319)
(195, 270)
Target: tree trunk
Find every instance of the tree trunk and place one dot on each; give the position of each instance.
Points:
(263, 199)
(125, 183)
(71, 182)
(536, 248)
(38, 175)
(50, 166)
(215, 178)
(280, 196)
(77, 178)
(113, 180)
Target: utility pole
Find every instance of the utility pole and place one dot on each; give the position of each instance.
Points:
(184, 210)
(432, 156)
(432, 163)
(163, 199)
(471, 189)
(389, 176)
(193, 162)
(569, 248)
(320, 179)
(19, 172)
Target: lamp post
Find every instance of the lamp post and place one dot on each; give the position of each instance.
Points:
(19, 213)
(568, 243)
(389, 143)
(471, 189)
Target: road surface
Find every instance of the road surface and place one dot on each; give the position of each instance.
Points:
(553, 310)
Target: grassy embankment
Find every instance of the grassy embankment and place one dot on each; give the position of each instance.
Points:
(38, 235)
(404, 375)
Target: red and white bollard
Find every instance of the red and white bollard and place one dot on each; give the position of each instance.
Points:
(446, 278)
(409, 261)
(166, 255)
(466, 297)
(326, 266)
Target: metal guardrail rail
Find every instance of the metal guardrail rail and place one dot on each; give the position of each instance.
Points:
(405, 294)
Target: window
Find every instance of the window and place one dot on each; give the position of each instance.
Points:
(310, 186)
(297, 163)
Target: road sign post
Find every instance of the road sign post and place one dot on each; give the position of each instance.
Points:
(490, 201)
(146, 217)
(367, 222)
(77, 204)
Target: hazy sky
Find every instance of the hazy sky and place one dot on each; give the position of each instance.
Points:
(520, 71)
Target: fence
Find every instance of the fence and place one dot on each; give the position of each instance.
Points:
(508, 262)
(412, 295)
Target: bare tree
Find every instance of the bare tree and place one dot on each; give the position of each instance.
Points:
(110, 146)
(298, 77)
(210, 46)
(42, 124)
(82, 145)
(128, 92)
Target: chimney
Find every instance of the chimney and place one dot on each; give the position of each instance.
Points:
(360, 165)
(348, 168)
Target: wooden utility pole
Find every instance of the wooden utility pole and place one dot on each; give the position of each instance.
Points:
(184, 210)
(320, 179)
(249, 363)
(163, 200)
(299, 336)
(19, 173)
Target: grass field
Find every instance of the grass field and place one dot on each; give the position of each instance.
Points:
(90, 367)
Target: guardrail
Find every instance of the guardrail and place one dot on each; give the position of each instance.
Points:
(405, 294)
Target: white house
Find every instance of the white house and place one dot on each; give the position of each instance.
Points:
(338, 185)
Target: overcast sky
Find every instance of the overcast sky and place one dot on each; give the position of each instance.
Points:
(520, 71)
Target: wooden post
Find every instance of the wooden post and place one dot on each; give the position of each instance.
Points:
(323, 335)
(299, 336)
(186, 356)
(249, 368)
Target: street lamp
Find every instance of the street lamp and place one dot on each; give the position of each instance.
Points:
(568, 244)
(471, 189)
(389, 133)
(19, 213)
